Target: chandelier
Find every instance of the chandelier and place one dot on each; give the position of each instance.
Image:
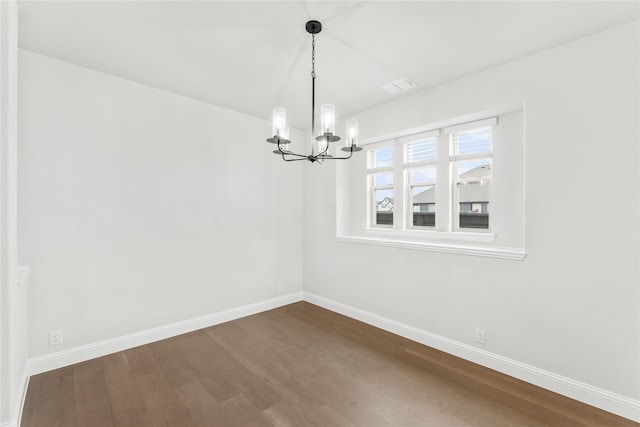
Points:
(327, 135)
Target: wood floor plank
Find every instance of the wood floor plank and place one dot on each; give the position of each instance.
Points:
(271, 331)
(320, 389)
(180, 367)
(91, 397)
(31, 403)
(386, 402)
(325, 416)
(282, 414)
(276, 374)
(162, 402)
(240, 344)
(296, 365)
(264, 357)
(499, 409)
(127, 405)
(239, 411)
(400, 378)
(510, 390)
(307, 335)
(56, 404)
(202, 406)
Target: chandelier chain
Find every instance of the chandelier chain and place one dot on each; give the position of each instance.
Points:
(313, 89)
(313, 56)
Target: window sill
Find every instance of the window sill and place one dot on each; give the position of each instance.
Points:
(435, 246)
(429, 235)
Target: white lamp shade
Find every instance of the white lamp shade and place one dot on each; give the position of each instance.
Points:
(352, 133)
(327, 118)
(285, 135)
(279, 121)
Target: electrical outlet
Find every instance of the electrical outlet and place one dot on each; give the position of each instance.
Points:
(55, 337)
(481, 336)
(280, 288)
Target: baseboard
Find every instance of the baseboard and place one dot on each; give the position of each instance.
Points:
(68, 357)
(594, 396)
(22, 392)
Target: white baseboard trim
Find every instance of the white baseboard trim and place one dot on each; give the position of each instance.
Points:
(68, 357)
(22, 392)
(19, 405)
(594, 396)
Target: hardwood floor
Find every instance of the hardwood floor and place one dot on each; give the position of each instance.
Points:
(298, 365)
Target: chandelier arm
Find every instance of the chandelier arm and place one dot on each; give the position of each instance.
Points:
(290, 153)
(294, 160)
(324, 152)
(340, 158)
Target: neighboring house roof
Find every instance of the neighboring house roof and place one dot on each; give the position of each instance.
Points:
(427, 196)
(483, 171)
(385, 204)
(470, 192)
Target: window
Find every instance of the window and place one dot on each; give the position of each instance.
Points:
(427, 191)
(380, 177)
(470, 157)
(420, 168)
(454, 189)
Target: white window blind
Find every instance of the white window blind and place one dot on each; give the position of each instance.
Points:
(422, 151)
(381, 158)
(471, 142)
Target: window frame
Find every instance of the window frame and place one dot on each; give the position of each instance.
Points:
(408, 166)
(455, 182)
(372, 211)
(505, 240)
(447, 215)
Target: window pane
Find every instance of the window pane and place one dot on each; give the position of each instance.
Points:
(382, 157)
(420, 151)
(472, 141)
(474, 190)
(385, 178)
(423, 203)
(384, 207)
(474, 170)
(422, 174)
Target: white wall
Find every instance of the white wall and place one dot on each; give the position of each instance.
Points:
(572, 306)
(13, 291)
(139, 208)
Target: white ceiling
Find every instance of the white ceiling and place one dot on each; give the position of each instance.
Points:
(251, 56)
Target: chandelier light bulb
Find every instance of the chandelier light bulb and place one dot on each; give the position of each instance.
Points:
(327, 118)
(352, 133)
(285, 136)
(279, 121)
